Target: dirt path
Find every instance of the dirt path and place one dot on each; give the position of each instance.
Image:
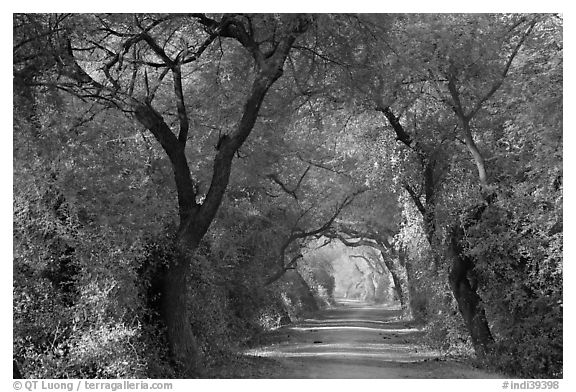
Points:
(355, 340)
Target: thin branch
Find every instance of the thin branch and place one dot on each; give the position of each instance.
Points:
(157, 49)
(293, 262)
(319, 55)
(320, 165)
(375, 266)
(86, 119)
(117, 58)
(327, 242)
(291, 192)
(357, 242)
(151, 91)
(401, 134)
(274, 178)
(416, 198)
(301, 179)
(196, 55)
(498, 83)
(300, 234)
(233, 28)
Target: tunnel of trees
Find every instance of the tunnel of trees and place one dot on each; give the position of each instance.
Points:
(183, 182)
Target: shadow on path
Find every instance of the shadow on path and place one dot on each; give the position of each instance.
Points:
(355, 340)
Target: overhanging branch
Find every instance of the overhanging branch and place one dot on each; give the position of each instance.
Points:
(298, 234)
(498, 83)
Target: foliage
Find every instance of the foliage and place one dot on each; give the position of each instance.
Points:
(319, 276)
(397, 106)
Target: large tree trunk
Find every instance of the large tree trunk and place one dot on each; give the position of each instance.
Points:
(181, 339)
(469, 302)
(400, 279)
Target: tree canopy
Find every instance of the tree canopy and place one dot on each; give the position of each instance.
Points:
(184, 181)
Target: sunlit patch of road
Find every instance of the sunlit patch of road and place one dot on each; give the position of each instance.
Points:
(348, 327)
(334, 321)
(354, 340)
(376, 352)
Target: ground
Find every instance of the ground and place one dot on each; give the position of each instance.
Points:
(355, 340)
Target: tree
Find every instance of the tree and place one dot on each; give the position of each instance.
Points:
(122, 61)
(463, 79)
(451, 69)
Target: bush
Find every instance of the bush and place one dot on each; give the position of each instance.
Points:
(519, 267)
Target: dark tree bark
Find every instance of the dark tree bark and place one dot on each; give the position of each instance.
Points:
(401, 283)
(174, 304)
(469, 302)
(16, 370)
(431, 165)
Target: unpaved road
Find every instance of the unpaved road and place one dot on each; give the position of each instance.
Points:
(355, 340)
